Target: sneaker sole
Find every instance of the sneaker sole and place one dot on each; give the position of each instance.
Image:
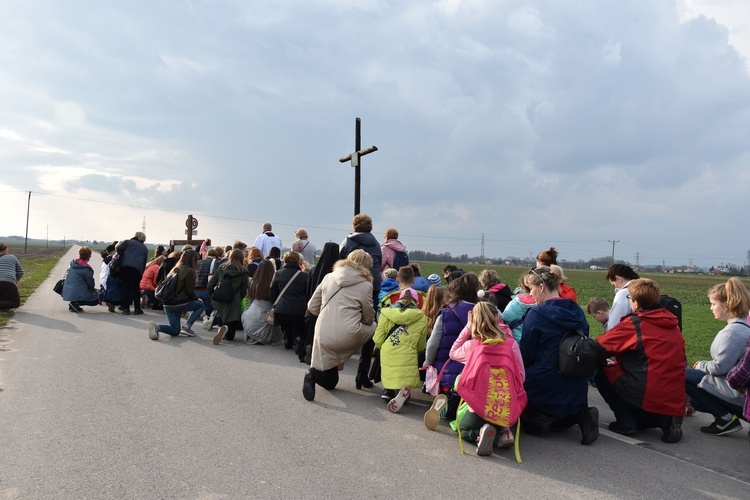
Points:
(395, 404)
(220, 335)
(153, 333)
(486, 438)
(724, 432)
(432, 416)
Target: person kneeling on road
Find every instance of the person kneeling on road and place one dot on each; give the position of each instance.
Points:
(644, 384)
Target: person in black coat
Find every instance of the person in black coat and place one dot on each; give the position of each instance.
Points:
(133, 256)
(292, 304)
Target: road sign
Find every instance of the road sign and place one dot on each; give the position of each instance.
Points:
(195, 223)
(195, 232)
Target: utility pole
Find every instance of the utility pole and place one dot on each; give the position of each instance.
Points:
(26, 240)
(613, 249)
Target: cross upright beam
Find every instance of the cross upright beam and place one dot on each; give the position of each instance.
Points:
(356, 160)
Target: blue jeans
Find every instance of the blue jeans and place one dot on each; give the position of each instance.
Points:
(174, 313)
(203, 296)
(705, 401)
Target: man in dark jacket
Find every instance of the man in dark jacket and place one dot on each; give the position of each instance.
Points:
(362, 238)
(645, 384)
(133, 254)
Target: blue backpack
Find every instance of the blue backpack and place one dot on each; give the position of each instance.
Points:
(400, 260)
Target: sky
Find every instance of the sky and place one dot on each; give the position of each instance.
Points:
(527, 123)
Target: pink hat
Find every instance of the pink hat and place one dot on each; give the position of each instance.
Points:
(413, 293)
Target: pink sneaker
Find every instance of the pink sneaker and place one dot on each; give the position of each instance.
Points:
(395, 404)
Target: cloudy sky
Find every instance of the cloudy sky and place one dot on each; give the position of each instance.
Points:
(533, 123)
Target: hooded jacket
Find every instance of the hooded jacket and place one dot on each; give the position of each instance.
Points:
(368, 243)
(515, 312)
(79, 283)
(388, 251)
(548, 391)
(346, 317)
(399, 347)
(650, 369)
(231, 311)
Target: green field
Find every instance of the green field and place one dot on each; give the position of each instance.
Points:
(699, 325)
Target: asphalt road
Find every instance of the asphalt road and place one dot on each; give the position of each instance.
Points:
(90, 407)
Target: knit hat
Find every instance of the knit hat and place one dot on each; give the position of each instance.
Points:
(434, 279)
(411, 291)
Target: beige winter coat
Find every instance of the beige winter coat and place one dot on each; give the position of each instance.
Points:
(348, 319)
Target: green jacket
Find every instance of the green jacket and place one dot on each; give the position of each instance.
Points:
(399, 347)
(231, 311)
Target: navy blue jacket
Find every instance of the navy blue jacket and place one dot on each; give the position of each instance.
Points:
(133, 254)
(543, 328)
(368, 243)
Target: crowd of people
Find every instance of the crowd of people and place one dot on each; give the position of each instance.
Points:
(427, 333)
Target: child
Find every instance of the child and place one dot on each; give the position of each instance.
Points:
(405, 278)
(598, 307)
(738, 379)
(401, 334)
(389, 284)
(516, 310)
(485, 324)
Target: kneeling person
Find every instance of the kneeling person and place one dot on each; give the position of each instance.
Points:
(644, 385)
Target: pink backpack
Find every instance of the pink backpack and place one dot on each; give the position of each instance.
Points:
(491, 384)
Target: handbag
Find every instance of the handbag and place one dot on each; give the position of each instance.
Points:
(58, 288)
(271, 316)
(115, 265)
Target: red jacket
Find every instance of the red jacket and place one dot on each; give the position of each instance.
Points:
(650, 369)
(148, 280)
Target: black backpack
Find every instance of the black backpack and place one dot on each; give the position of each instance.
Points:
(672, 305)
(166, 290)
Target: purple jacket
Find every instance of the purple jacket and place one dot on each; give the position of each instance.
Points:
(739, 378)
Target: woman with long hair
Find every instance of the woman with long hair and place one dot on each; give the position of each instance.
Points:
(230, 312)
(185, 300)
(257, 330)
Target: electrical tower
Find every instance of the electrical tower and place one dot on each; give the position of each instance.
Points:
(481, 251)
(143, 227)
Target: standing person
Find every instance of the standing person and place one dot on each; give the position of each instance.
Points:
(644, 384)
(363, 239)
(555, 402)
(304, 246)
(390, 250)
(266, 240)
(346, 321)
(11, 271)
(134, 255)
(230, 312)
(80, 289)
(707, 383)
(290, 306)
(401, 335)
(256, 328)
(549, 258)
(620, 276)
(185, 300)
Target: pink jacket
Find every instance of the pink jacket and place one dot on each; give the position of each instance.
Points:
(148, 280)
(464, 344)
(388, 251)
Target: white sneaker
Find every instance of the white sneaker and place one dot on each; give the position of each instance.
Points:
(220, 335)
(153, 331)
(395, 404)
(485, 440)
(505, 438)
(188, 331)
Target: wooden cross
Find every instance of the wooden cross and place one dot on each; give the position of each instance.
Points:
(356, 159)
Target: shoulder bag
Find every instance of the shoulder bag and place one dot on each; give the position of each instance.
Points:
(271, 316)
